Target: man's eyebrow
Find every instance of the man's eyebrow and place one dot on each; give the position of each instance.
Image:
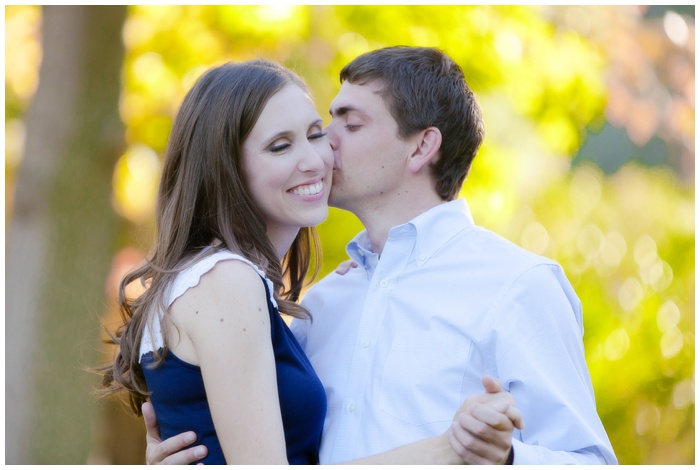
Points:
(342, 111)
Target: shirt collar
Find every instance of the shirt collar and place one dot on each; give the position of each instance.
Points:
(360, 250)
(438, 225)
(432, 229)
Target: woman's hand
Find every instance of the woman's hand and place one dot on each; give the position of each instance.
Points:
(345, 266)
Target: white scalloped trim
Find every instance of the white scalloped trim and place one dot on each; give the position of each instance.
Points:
(152, 338)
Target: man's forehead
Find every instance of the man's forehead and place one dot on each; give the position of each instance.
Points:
(354, 97)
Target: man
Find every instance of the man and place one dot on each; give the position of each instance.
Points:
(435, 302)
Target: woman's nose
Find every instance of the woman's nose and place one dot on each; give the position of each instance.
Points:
(312, 160)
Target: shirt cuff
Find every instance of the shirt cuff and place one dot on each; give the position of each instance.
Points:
(511, 456)
(525, 454)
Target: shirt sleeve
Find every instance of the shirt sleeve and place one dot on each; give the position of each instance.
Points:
(536, 339)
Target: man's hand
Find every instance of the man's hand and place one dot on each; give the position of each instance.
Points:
(482, 430)
(160, 452)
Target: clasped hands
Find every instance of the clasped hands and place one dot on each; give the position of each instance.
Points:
(482, 429)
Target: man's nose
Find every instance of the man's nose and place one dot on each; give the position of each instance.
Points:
(334, 144)
(332, 136)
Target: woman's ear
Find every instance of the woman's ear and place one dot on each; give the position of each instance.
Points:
(428, 148)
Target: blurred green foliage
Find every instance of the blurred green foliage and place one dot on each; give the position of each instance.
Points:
(544, 78)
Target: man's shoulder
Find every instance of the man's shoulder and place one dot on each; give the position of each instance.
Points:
(487, 243)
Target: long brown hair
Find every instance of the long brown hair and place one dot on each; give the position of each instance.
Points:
(203, 200)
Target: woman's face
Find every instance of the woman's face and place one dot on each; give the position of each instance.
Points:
(288, 162)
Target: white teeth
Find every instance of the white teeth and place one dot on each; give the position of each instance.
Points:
(308, 190)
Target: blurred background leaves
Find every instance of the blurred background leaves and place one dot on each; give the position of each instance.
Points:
(589, 159)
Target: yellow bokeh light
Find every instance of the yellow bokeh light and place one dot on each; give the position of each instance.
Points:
(630, 294)
(135, 183)
(662, 281)
(508, 46)
(148, 68)
(137, 31)
(648, 419)
(658, 274)
(275, 13)
(559, 132)
(616, 344)
(14, 142)
(671, 342)
(352, 45)
(585, 189)
(668, 316)
(684, 394)
(535, 238)
(23, 49)
(589, 241)
(496, 201)
(645, 251)
(614, 249)
(676, 28)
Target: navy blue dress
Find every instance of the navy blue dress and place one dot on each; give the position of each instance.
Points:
(180, 401)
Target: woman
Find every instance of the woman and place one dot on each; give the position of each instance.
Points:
(247, 173)
(208, 321)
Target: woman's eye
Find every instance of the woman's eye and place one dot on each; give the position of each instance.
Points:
(279, 147)
(317, 135)
(352, 127)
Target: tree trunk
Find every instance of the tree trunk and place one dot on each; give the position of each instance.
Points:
(61, 237)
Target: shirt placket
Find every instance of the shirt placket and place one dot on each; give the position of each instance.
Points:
(376, 304)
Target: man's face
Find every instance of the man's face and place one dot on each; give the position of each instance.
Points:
(369, 155)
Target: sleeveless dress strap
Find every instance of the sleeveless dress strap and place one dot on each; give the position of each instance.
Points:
(152, 338)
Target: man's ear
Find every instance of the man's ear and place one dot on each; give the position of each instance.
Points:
(427, 150)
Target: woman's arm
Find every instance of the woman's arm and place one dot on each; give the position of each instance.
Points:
(481, 434)
(226, 321)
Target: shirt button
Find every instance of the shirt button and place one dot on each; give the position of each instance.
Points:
(421, 257)
(351, 407)
(384, 283)
(365, 344)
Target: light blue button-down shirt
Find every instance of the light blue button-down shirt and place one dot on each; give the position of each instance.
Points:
(402, 340)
